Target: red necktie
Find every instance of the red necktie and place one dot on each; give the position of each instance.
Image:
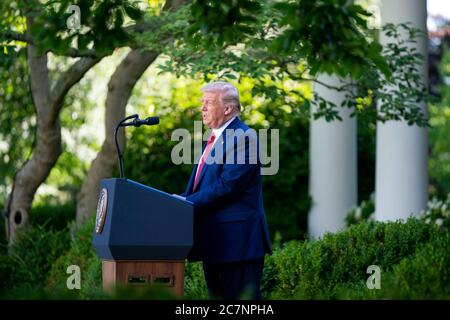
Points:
(205, 155)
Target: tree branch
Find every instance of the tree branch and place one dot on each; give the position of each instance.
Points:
(139, 27)
(329, 86)
(68, 79)
(75, 53)
(71, 52)
(14, 36)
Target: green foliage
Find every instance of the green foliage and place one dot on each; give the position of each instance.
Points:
(423, 275)
(102, 25)
(82, 254)
(363, 212)
(194, 281)
(406, 80)
(366, 138)
(324, 268)
(10, 21)
(331, 34)
(30, 259)
(281, 272)
(223, 22)
(285, 194)
(262, 40)
(413, 257)
(53, 217)
(17, 119)
(439, 160)
(298, 40)
(18, 125)
(291, 28)
(147, 156)
(437, 213)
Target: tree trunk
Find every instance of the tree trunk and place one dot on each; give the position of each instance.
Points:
(119, 90)
(48, 147)
(46, 151)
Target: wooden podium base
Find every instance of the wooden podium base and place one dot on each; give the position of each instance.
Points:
(169, 274)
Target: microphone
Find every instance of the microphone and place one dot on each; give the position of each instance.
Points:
(150, 121)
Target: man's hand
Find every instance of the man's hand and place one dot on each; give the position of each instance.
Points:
(178, 196)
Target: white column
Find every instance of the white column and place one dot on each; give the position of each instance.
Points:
(333, 165)
(401, 157)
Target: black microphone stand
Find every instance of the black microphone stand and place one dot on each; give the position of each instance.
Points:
(119, 153)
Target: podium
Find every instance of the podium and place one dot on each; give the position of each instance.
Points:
(143, 235)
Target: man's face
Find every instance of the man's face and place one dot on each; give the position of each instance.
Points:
(214, 114)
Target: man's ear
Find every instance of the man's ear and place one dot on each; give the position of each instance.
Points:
(228, 110)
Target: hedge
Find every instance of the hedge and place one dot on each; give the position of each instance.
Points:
(413, 256)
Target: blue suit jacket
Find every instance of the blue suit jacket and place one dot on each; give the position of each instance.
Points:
(230, 223)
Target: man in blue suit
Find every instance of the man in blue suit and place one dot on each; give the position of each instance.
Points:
(230, 228)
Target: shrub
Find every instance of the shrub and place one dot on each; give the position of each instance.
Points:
(426, 275)
(438, 161)
(282, 270)
(438, 212)
(413, 256)
(53, 216)
(194, 281)
(423, 275)
(30, 259)
(82, 254)
(364, 212)
(319, 269)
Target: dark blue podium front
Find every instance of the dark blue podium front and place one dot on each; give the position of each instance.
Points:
(142, 223)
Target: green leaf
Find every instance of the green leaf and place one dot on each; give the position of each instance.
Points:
(133, 12)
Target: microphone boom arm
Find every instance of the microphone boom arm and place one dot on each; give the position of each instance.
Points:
(119, 153)
(150, 121)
